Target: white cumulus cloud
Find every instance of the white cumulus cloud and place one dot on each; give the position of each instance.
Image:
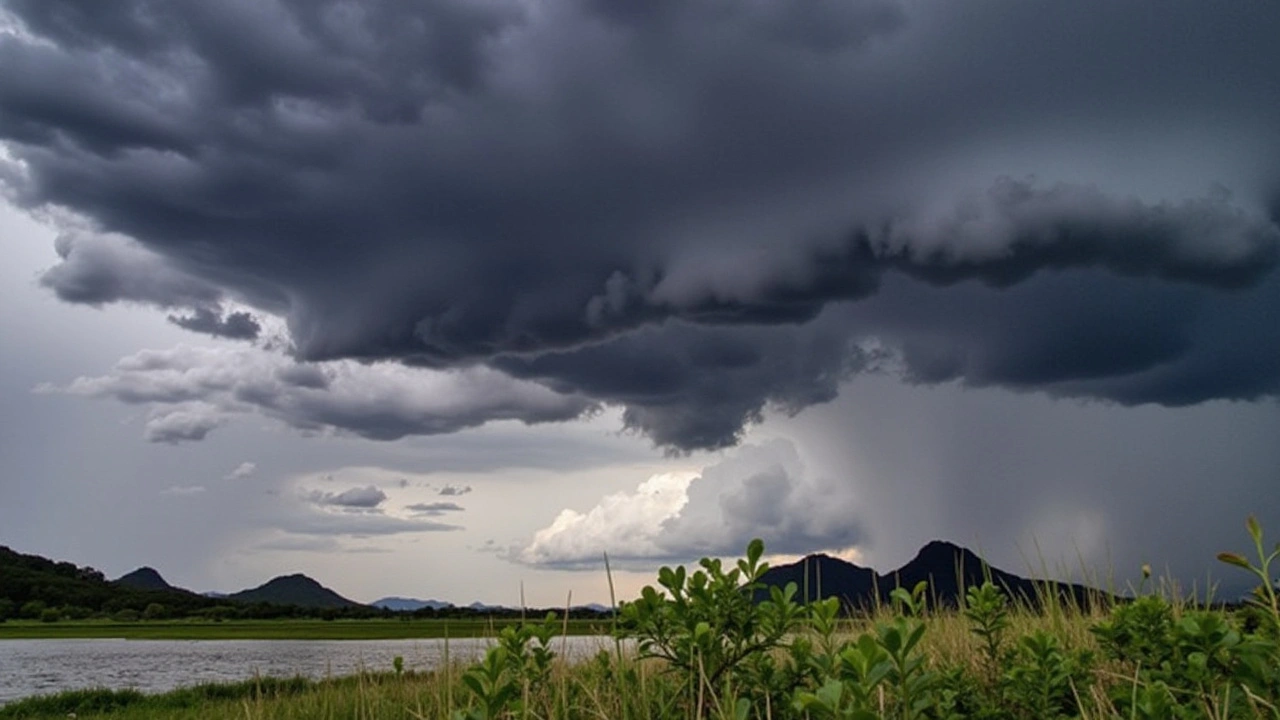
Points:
(757, 491)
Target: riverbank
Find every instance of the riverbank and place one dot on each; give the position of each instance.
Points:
(293, 629)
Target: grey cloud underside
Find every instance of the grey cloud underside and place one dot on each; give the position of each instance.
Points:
(697, 210)
(236, 325)
(191, 391)
(434, 509)
(357, 497)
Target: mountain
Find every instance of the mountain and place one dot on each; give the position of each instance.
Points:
(55, 584)
(144, 578)
(824, 576)
(296, 589)
(400, 604)
(948, 569)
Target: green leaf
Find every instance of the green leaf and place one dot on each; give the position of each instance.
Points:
(755, 549)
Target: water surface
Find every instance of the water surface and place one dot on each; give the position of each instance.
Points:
(37, 667)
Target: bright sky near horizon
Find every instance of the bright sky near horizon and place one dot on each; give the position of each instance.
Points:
(443, 297)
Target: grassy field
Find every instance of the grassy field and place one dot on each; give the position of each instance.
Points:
(273, 629)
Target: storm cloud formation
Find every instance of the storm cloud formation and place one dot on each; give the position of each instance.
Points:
(696, 211)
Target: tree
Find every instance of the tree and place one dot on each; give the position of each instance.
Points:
(32, 609)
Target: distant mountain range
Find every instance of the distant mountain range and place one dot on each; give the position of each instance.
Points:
(948, 568)
(296, 589)
(400, 604)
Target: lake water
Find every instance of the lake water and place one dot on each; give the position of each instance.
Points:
(37, 667)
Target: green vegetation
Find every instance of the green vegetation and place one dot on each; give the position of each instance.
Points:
(703, 649)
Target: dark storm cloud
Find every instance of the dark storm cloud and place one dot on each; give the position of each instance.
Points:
(696, 210)
(236, 325)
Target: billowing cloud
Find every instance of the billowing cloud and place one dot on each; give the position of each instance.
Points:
(454, 490)
(97, 269)
(696, 211)
(186, 421)
(194, 390)
(758, 491)
(356, 497)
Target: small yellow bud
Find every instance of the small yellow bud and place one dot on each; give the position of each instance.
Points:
(1233, 559)
(1255, 530)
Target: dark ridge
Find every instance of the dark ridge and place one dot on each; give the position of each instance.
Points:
(403, 604)
(144, 578)
(818, 577)
(296, 589)
(948, 569)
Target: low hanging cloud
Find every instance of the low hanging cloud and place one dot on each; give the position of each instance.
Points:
(235, 326)
(696, 211)
(454, 490)
(359, 524)
(183, 490)
(357, 497)
(758, 491)
(187, 422)
(191, 391)
(243, 470)
(355, 512)
(434, 508)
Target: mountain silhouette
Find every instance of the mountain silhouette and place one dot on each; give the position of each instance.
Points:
(821, 576)
(403, 604)
(144, 578)
(296, 589)
(948, 569)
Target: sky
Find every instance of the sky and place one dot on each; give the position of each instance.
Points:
(450, 298)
